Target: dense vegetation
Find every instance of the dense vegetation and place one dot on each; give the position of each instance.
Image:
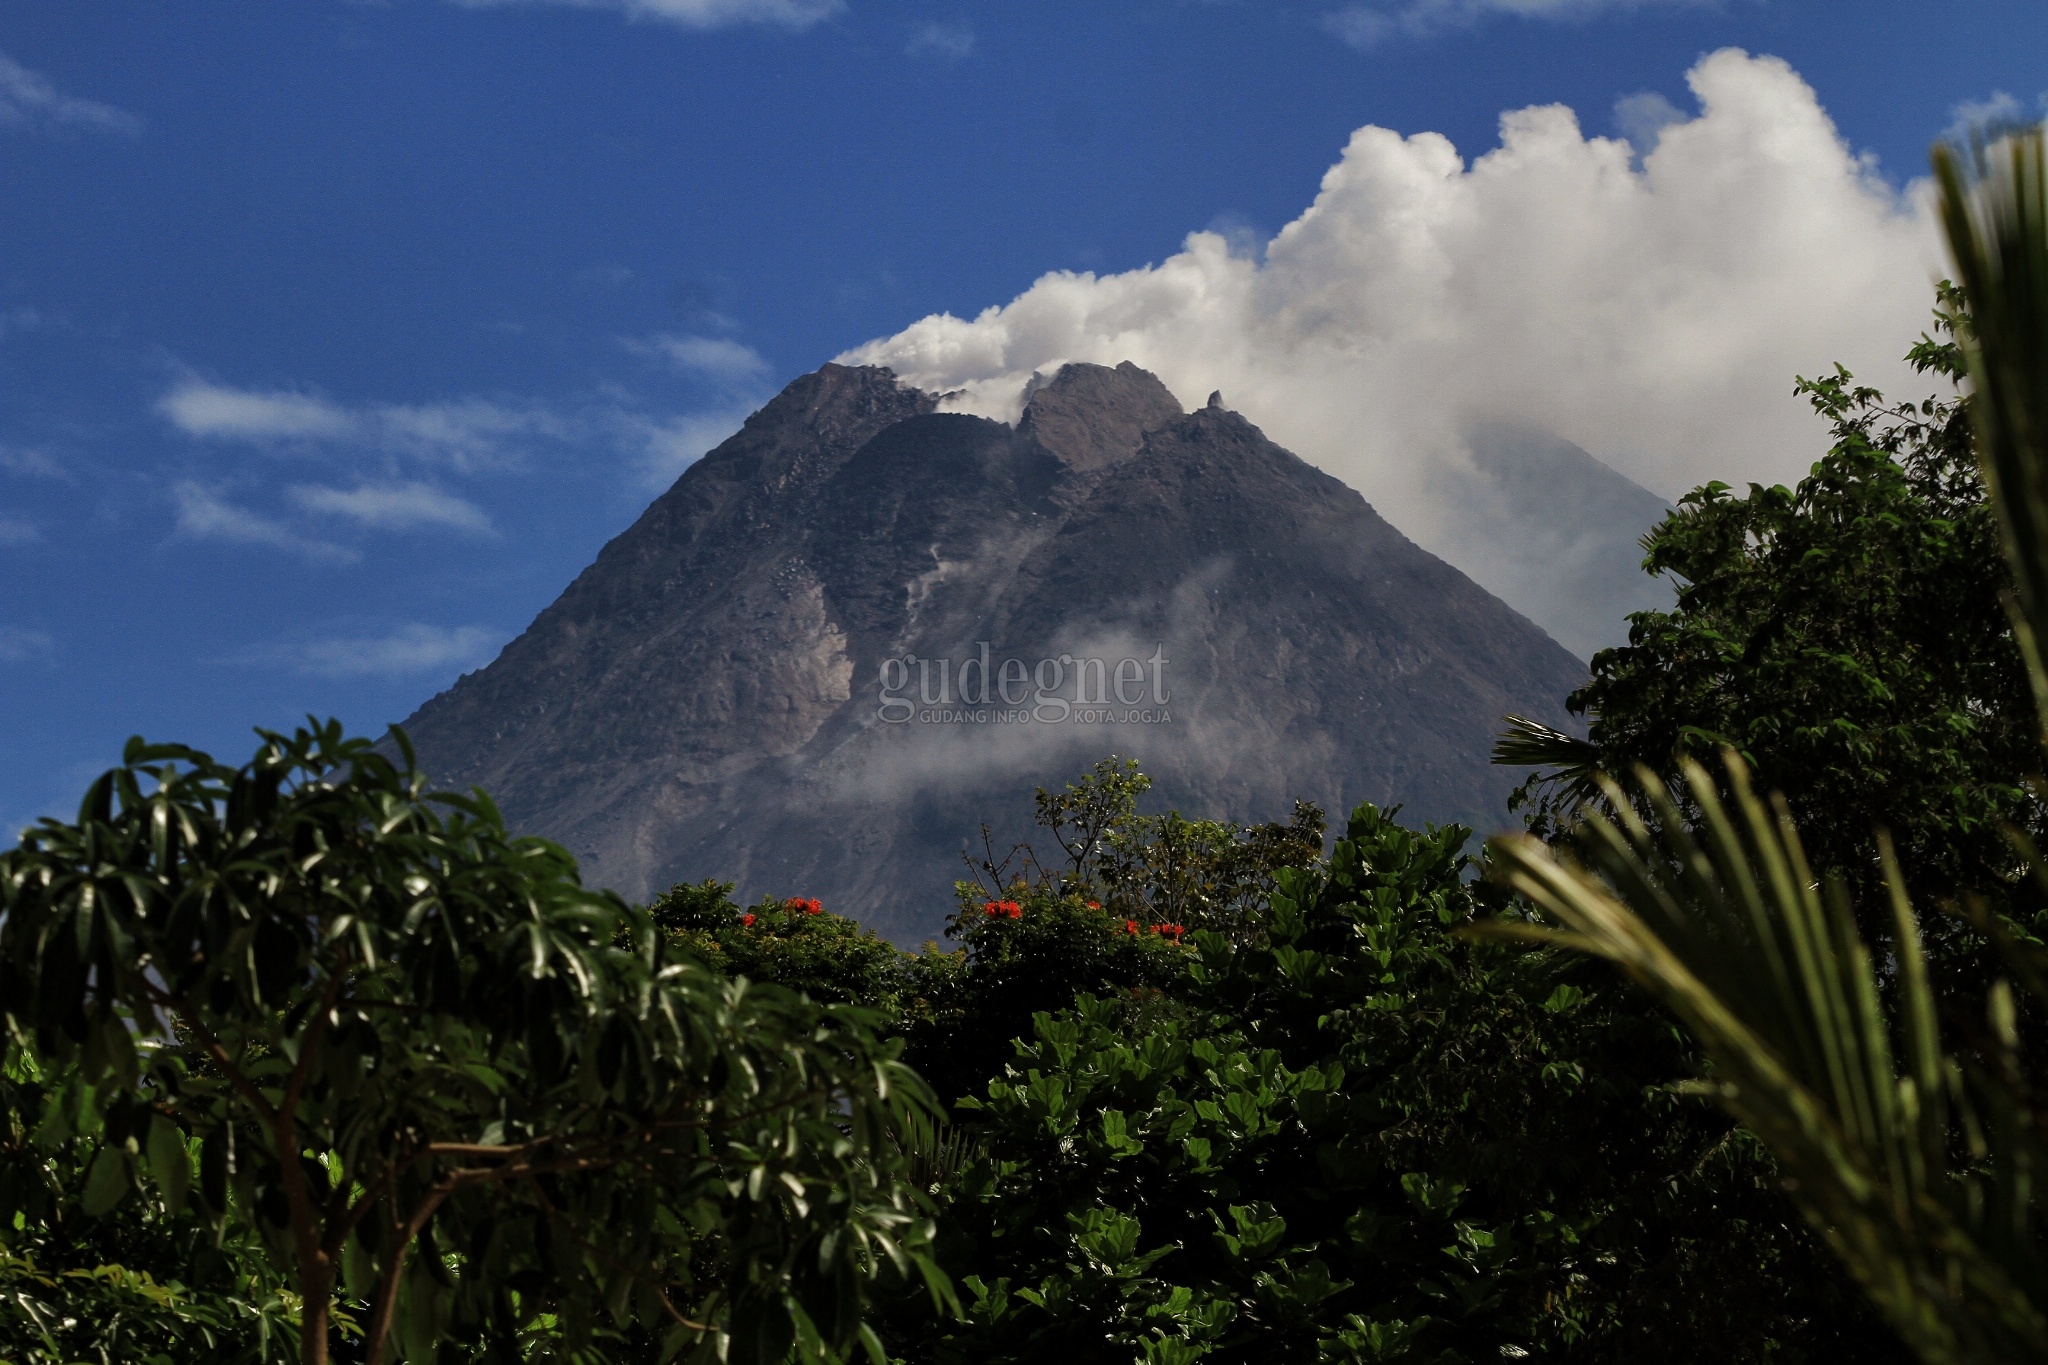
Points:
(1848, 638)
(305, 1062)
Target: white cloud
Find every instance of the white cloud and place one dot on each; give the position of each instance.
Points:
(399, 446)
(211, 410)
(18, 530)
(951, 42)
(30, 463)
(1653, 313)
(465, 434)
(1365, 26)
(410, 649)
(393, 507)
(19, 645)
(1986, 116)
(671, 446)
(1643, 117)
(28, 100)
(790, 14)
(716, 358)
(204, 515)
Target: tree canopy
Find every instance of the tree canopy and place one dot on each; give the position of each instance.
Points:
(423, 1065)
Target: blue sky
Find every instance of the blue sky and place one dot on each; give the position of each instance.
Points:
(335, 338)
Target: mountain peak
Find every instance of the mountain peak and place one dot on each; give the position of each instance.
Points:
(861, 627)
(1093, 416)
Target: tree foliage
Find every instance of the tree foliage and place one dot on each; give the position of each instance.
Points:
(1845, 636)
(1343, 1133)
(135, 1282)
(421, 1063)
(1913, 1143)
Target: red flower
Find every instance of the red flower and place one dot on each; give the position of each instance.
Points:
(748, 919)
(793, 903)
(1094, 905)
(1013, 910)
(814, 907)
(991, 909)
(1130, 926)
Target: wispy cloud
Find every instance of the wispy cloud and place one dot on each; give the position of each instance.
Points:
(410, 649)
(950, 41)
(1991, 115)
(205, 515)
(393, 507)
(789, 14)
(30, 463)
(465, 434)
(18, 531)
(401, 454)
(19, 645)
(1365, 26)
(671, 446)
(724, 361)
(201, 409)
(28, 100)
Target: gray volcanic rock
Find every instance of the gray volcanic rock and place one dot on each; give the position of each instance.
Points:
(790, 672)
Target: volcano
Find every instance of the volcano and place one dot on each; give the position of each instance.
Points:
(863, 627)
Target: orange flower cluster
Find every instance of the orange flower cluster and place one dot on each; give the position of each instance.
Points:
(798, 903)
(747, 919)
(1003, 909)
(1172, 931)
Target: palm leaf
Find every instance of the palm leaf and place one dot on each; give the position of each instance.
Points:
(1530, 743)
(1727, 927)
(1994, 210)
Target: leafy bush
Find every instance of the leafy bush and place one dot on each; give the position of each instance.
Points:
(1344, 1133)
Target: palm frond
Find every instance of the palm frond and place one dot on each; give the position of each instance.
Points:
(1530, 743)
(1918, 1181)
(1994, 211)
(935, 1151)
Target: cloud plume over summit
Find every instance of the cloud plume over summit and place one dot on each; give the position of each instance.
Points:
(1651, 305)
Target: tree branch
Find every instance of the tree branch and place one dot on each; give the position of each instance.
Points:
(215, 1049)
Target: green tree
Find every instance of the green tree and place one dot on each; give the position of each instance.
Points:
(1344, 1133)
(80, 1282)
(418, 1060)
(1913, 1142)
(1846, 638)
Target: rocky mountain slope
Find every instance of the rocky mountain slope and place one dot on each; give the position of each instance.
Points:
(861, 627)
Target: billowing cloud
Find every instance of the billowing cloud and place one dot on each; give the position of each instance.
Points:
(393, 507)
(28, 100)
(407, 651)
(204, 515)
(1654, 309)
(790, 14)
